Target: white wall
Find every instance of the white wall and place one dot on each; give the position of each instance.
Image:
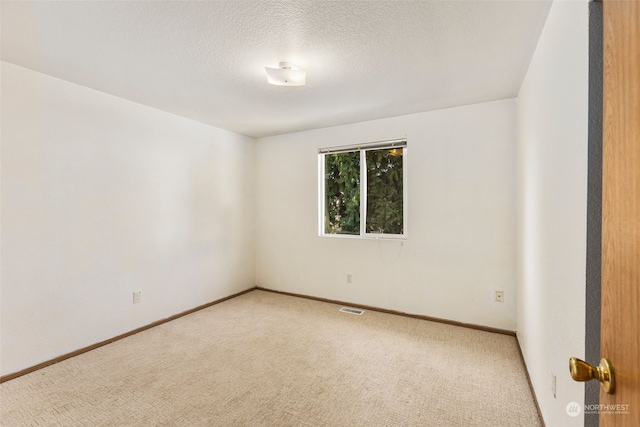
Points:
(552, 203)
(102, 197)
(461, 244)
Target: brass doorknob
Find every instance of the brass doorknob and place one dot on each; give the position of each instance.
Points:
(582, 371)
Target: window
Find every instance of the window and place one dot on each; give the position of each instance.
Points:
(363, 191)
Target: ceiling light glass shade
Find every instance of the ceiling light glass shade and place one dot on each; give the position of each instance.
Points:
(286, 75)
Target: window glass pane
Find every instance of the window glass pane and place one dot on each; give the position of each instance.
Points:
(342, 193)
(384, 191)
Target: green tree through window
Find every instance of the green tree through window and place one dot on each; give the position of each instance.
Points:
(342, 193)
(383, 193)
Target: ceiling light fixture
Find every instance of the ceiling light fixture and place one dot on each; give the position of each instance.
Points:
(287, 75)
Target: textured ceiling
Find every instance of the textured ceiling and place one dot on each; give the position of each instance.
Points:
(205, 59)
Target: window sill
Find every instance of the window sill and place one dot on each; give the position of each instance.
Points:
(365, 237)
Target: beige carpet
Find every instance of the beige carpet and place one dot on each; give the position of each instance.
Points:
(263, 359)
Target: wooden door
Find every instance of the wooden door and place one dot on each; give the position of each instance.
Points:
(620, 326)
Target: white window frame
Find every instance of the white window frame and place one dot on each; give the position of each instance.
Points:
(362, 149)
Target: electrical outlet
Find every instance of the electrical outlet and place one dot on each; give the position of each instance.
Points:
(137, 297)
(553, 384)
(499, 296)
(349, 278)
